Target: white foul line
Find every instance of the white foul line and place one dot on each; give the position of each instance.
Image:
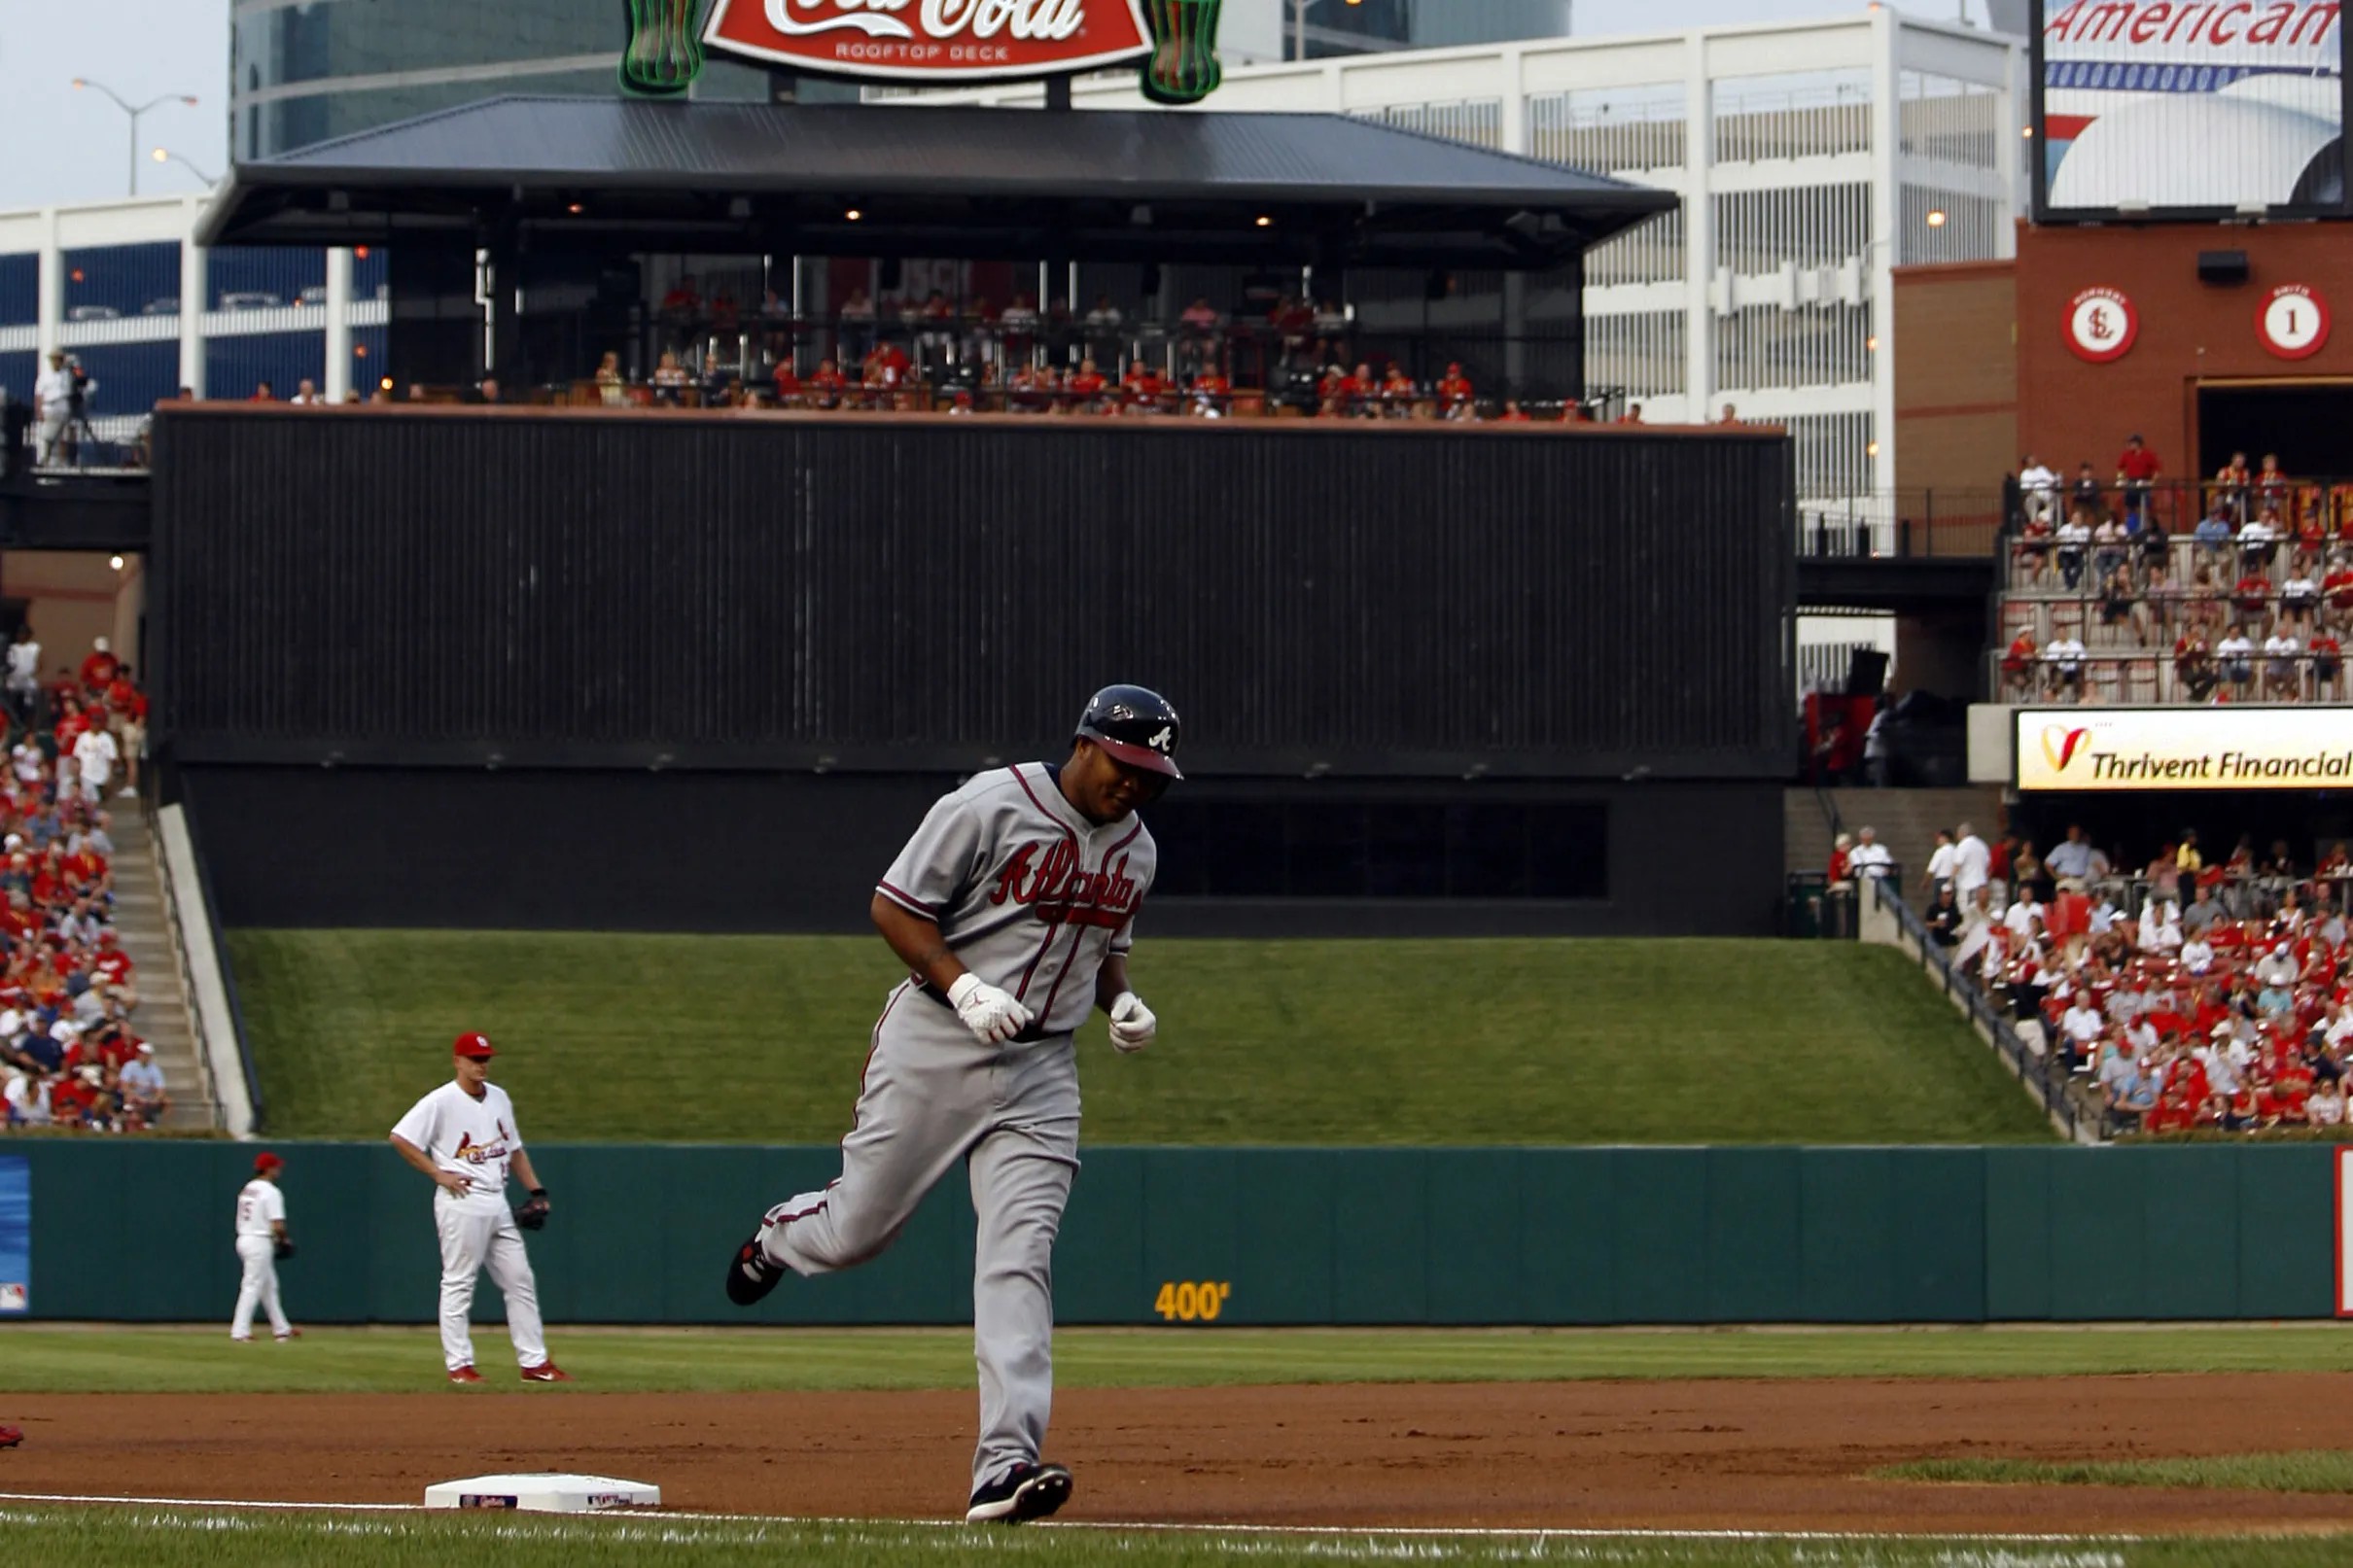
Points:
(210, 1502)
(1467, 1532)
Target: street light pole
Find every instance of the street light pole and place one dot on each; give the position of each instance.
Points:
(188, 98)
(164, 155)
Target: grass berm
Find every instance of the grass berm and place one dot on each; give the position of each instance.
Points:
(660, 1038)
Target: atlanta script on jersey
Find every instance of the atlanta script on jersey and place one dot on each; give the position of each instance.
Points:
(1030, 895)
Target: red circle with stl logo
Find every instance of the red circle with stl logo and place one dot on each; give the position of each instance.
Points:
(2101, 325)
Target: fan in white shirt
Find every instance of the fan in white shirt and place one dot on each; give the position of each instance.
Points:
(2040, 483)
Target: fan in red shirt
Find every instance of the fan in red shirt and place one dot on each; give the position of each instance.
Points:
(98, 671)
(1209, 392)
(888, 365)
(826, 385)
(789, 390)
(1455, 388)
(2137, 463)
(1142, 385)
(2018, 663)
(1087, 384)
(2253, 593)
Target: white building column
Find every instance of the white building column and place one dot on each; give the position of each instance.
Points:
(49, 317)
(1513, 125)
(1698, 230)
(1887, 223)
(196, 294)
(338, 325)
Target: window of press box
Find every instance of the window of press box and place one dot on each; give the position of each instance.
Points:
(1320, 849)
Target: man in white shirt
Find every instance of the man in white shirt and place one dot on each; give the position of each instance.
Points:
(24, 683)
(27, 1098)
(2196, 956)
(53, 403)
(2277, 967)
(2235, 655)
(262, 1240)
(2065, 657)
(2074, 535)
(2283, 670)
(2083, 1026)
(94, 756)
(1869, 857)
(1970, 863)
(2039, 484)
(1939, 864)
(464, 1135)
(2024, 914)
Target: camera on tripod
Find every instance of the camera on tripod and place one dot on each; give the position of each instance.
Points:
(77, 394)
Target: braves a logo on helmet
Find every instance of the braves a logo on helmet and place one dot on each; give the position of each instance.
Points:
(1165, 739)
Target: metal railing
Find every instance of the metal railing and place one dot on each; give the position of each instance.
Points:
(2144, 678)
(1907, 523)
(2043, 1074)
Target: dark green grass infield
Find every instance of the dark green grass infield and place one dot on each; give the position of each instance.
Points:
(2309, 1470)
(103, 1359)
(155, 1537)
(759, 1040)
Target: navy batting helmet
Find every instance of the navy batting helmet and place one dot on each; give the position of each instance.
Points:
(1135, 726)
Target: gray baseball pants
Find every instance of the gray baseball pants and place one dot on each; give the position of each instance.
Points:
(934, 1095)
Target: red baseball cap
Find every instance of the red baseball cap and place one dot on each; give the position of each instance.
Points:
(266, 1160)
(474, 1045)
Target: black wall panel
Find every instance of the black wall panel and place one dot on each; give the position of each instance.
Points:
(577, 589)
(715, 851)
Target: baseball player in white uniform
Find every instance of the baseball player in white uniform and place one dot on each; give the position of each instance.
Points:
(464, 1136)
(1014, 907)
(262, 1240)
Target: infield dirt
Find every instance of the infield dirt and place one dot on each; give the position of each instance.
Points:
(1767, 1455)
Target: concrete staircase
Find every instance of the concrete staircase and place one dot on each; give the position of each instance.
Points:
(1906, 820)
(146, 934)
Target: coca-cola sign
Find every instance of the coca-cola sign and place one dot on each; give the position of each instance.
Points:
(931, 40)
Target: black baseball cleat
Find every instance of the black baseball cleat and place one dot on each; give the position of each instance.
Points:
(1022, 1493)
(750, 1273)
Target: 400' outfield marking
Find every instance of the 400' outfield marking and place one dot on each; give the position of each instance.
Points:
(1419, 1532)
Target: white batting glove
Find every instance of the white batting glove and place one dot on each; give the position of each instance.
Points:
(989, 1013)
(1133, 1024)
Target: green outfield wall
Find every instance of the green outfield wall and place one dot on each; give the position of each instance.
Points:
(140, 1231)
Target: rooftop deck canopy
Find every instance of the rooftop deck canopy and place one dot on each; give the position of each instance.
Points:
(946, 182)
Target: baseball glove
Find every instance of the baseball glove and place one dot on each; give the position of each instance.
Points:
(285, 1248)
(534, 1212)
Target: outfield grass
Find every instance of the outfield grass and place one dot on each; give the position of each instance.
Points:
(338, 1361)
(1376, 1042)
(2309, 1470)
(149, 1537)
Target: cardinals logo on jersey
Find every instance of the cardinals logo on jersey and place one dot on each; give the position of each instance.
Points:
(474, 1154)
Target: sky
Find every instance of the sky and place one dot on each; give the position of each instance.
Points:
(71, 146)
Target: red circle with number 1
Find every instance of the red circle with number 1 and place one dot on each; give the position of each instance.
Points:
(2101, 325)
(2293, 321)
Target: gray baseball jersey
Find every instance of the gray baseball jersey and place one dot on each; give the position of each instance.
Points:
(1031, 897)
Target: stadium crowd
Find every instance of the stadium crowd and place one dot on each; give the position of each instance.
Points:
(70, 1055)
(2191, 993)
(2237, 588)
(1298, 357)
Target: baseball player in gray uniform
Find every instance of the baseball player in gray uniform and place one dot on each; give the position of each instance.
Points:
(1014, 907)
